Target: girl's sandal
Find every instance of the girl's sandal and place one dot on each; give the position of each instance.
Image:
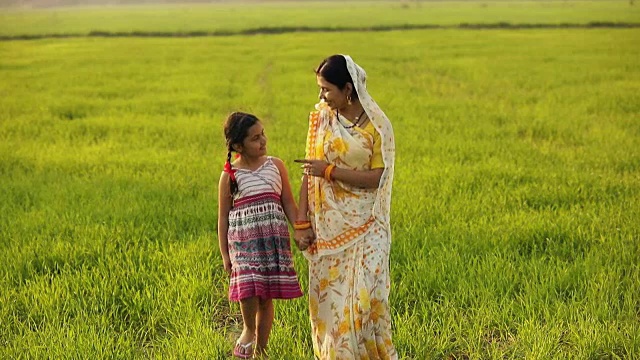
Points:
(247, 352)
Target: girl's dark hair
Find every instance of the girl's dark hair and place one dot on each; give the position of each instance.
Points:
(334, 70)
(236, 128)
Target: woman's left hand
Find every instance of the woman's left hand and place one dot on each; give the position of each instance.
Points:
(313, 167)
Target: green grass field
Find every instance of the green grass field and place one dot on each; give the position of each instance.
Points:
(516, 202)
(234, 16)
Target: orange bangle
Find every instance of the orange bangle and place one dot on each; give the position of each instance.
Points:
(327, 171)
(302, 225)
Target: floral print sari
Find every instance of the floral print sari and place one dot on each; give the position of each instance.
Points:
(349, 278)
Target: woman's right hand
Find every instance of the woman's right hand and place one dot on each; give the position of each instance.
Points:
(304, 238)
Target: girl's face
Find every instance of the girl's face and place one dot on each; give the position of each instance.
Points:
(332, 95)
(255, 144)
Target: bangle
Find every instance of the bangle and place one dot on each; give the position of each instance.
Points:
(302, 225)
(327, 171)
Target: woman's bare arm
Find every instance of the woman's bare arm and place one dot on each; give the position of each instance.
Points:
(361, 178)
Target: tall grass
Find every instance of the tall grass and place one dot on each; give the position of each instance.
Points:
(234, 17)
(515, 206)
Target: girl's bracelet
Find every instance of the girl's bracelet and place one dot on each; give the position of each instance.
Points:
(302, 225)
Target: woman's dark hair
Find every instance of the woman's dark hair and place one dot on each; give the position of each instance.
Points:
(236, 128)
(334, 70)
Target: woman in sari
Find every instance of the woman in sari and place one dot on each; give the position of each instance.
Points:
(343, 221)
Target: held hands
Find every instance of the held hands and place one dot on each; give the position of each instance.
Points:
(303, 235)
(304, 238)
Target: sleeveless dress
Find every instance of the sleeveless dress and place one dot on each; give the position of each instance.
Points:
(259, 240)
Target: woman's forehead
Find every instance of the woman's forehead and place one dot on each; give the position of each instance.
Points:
(322, 82)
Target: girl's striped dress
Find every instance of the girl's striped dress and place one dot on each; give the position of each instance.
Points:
(259, 245)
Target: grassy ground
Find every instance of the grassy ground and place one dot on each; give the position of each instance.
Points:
(515, 204)
(234, 17)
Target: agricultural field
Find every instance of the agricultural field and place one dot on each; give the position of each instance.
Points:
(232, 17)
(516, 196)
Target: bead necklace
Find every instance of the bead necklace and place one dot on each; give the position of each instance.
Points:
(357, 120)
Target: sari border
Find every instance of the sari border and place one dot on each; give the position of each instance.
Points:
(341, 240)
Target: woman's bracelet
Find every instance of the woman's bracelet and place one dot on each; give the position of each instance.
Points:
(327, 171)
(302, 225)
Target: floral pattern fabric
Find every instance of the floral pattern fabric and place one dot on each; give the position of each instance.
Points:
(349, 277)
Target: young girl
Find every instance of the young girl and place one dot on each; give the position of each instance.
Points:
(255, 201)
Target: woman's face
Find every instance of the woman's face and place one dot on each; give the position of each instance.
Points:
(255, 144)
(332, 95)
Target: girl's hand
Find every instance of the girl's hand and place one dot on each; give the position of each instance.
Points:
(304, 238)
(227, 265)
(313, 167)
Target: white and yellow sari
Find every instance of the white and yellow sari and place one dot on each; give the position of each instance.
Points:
(349, 260)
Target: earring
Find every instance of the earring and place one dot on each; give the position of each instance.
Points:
(348, 99)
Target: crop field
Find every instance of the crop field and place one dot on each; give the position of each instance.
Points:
(516, 203)
(231, 17)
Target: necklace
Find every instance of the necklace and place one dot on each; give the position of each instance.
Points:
(357, 120)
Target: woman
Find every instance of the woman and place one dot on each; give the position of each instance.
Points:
(343, 216)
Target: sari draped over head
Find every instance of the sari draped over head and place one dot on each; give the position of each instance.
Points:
(349, 278)
(341, 213)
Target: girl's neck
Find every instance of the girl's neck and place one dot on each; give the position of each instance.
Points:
(251, 163)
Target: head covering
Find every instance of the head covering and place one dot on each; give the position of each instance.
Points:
(382, 207)
(337, 222)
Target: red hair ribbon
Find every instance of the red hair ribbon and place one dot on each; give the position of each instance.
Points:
(230, 171)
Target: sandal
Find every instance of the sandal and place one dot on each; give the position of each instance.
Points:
(248, 350)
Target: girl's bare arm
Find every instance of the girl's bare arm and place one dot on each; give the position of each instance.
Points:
(303, 203)
(224, 206)
(288, 202)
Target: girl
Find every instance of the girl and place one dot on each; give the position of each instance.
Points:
(255, 201)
